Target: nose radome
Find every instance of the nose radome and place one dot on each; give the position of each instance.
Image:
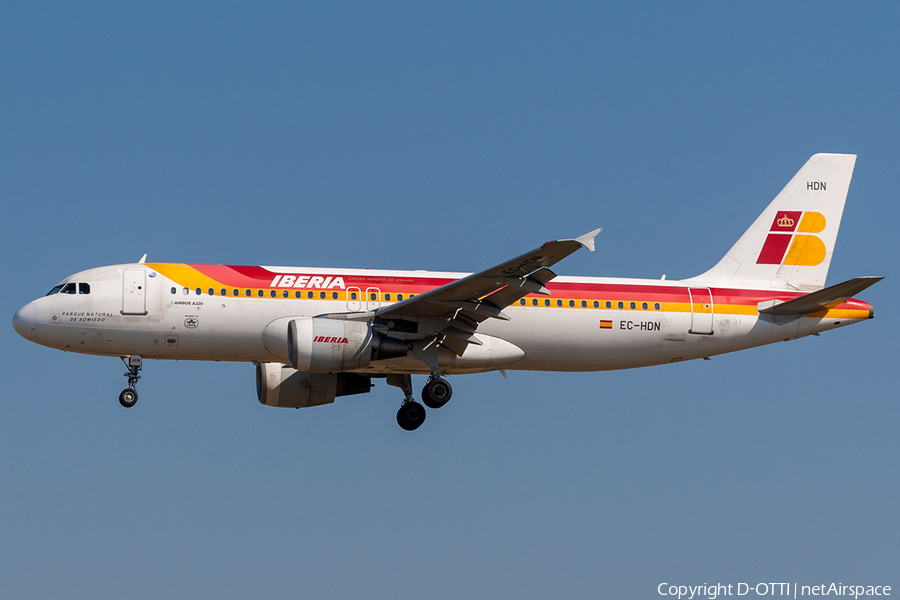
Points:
(24, 321)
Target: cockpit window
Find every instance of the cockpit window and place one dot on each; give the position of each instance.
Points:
(56, 289)
(84, 288)
(69, 288)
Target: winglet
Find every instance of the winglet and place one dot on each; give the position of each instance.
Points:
(587, 240)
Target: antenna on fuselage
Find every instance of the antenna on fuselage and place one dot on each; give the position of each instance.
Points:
(143, 258)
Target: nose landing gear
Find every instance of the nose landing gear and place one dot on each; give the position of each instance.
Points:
(129, 395)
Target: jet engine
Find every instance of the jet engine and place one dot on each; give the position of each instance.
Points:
(280, 385)
(321, 345)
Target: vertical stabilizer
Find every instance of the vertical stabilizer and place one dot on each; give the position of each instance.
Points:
(790, 244)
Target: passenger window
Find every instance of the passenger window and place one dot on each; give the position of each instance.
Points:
(547, 302)
(199, 291)
(69, 288)
(571, 304)
(621, 304)
(656, 306)
(633, 306)
(522, 301)
(559, 302)
(273, 293)
(353, 296)
(235, 292)
(248, 293)
(608, 304)
(584, 304)
(185, 291)
(174, 290)
(534, 301)
(644, 306)
(223, 292)
(334, 295)
(373, 296)
(60, 286)
(309, 295)
(211, 292)
(321, 295)
(285, 294)
(596, 304)
(399, 297)
(387, 298)
(260, 293)
(84, 288)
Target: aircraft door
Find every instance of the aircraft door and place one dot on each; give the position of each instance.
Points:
(134, 292)
(701, 311)
(373, 298)
(353, 299)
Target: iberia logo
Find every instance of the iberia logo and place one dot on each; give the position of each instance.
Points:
(791, 229)
(330, 340)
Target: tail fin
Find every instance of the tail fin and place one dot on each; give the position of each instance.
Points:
(790, 244)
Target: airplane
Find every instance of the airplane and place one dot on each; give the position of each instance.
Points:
(315, 334)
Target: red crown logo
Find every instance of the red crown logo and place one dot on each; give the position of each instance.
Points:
(785, 221)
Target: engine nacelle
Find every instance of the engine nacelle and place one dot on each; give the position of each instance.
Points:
(280, 385)
(320, 345)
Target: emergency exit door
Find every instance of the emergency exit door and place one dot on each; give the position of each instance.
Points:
(134, 292)
(701, 311)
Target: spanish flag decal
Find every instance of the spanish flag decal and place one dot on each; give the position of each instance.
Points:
(605, 324)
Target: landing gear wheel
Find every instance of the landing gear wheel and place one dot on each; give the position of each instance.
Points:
(436, 393)
(411, 415)
(128, 397)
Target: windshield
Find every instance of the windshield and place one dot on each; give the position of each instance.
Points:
(71, 288)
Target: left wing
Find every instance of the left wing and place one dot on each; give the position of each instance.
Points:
(460, 306)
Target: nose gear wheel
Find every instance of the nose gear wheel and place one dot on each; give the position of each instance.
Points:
(129, 396)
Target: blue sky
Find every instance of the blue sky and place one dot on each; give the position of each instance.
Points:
(443, 137)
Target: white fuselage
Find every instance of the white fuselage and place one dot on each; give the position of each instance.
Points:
(588, 332)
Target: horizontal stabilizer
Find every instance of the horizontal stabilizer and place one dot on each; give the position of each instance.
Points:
(821, 300)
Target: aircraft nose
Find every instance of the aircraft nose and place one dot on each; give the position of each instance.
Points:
(24, 321)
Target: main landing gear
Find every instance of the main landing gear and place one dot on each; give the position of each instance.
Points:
(435, 394)
(129, 395)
